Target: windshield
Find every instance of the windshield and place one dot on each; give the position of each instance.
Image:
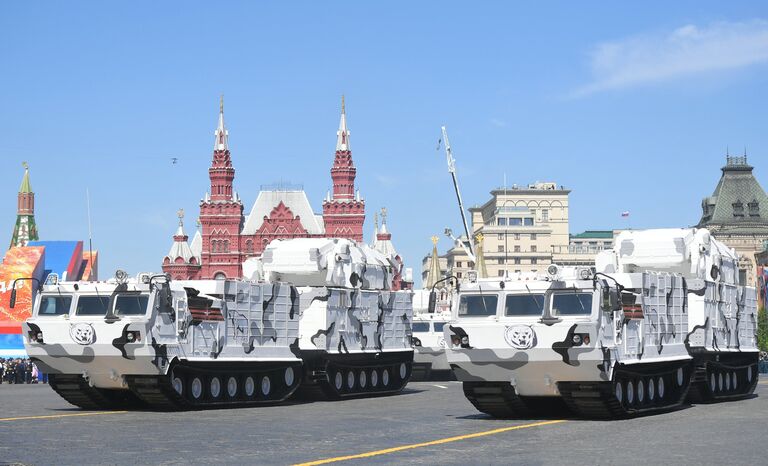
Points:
(54, 305)
(478, 305)
(572, 304)
(524, 305)
(131, 304)
(92, 305)
(421, 327)
(439, 326)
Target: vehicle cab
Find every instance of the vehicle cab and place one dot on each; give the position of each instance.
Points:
(429, 344)
(530, 330)
(99, 329)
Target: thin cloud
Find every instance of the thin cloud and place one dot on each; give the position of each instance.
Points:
(387, 181)
(686, 51)
(498, 123)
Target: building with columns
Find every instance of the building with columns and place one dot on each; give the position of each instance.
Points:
(523, 229)
(520, 227)
(227, 237)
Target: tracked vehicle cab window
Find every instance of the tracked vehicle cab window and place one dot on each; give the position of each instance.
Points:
(478, 305)
(133, 304)
(54, 305)
(439, 327)
(92, 305)
(524, 305)
(420, 327)
(572, 304)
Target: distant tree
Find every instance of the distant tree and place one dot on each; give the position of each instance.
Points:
(762, 329)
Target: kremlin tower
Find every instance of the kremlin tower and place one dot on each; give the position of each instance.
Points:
(344, 211)
(25, 229)
(221, 212)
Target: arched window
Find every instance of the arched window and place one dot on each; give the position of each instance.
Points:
(220, 276)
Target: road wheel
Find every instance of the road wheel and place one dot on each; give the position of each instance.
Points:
(619, 391)
(374, 378)
(232, 387)
(196, 388)
(290, 377)
(266, 386)
(651, 389)
(215, 387)
(249, 387)
(630, 393)
(338, 381)
(178, 383)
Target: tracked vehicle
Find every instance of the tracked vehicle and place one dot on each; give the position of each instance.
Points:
(171, 344)
(429, 346)
(662, 315)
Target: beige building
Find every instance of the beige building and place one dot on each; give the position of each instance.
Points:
(737, 214)
(520, 226)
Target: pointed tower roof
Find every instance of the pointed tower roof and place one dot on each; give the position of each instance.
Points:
(25, 187)
(434, 274)
(375, 229)
(342, 135)
(738, 202)
(180, 248)
(384, 237)
(221, 142)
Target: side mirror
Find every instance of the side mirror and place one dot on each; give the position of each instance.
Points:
(432, 302)
(605, 299)
(13, 298)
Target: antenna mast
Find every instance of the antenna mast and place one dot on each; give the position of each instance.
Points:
(452, 171)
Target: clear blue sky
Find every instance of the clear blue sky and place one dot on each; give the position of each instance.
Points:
(629, 105)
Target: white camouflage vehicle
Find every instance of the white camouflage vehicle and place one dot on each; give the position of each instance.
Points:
(429, 345)
(664, 313)
(320, 315)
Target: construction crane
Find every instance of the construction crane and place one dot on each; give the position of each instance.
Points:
(452, 170)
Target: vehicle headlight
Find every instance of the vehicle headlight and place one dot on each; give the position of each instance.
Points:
(576, 339)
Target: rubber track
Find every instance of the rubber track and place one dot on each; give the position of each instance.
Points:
(597, 400)
(700, 389)
(497, 399)
(594, 401)
(76, 390)
(328, 390)
(157, 393)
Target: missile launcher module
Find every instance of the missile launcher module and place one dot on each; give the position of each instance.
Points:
(316, 313)
(662, 317)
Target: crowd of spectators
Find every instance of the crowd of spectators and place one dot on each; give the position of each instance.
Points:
(20, 371)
